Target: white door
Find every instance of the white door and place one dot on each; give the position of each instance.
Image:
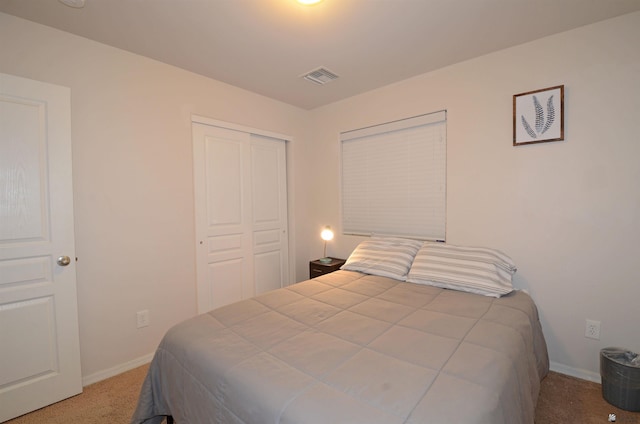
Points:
(269, 215)
(39, 344)
(241, 214)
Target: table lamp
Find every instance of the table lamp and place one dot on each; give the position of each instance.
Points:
(326, 235)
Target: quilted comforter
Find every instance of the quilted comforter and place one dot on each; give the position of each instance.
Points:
(351, 348)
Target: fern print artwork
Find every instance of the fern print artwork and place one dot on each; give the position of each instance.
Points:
(542, 123)
(538, 116)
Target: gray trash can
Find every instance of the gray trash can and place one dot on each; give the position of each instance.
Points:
(620, 372)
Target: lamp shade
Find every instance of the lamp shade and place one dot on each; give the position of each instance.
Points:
(326, 233)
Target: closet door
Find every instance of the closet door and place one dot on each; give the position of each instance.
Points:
(241, 220)
(269, 215)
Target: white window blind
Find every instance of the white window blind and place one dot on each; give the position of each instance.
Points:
(394, 178)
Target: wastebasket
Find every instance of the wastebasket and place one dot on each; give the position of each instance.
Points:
(620, 372)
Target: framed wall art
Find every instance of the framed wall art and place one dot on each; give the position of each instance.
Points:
(538, 116)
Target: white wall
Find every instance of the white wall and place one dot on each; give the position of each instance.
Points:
(133, 183)
(567, 212)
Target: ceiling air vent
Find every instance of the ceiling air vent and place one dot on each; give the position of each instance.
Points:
(320, 76)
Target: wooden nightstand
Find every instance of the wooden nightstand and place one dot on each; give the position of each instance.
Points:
(317, 268)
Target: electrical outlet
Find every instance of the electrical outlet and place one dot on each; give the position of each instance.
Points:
(592, 329)
(143, 318)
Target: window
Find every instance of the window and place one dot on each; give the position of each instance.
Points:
(394, 178)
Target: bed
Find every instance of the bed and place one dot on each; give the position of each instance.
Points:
(353, 347)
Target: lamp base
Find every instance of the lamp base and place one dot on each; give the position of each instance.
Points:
(325, 260)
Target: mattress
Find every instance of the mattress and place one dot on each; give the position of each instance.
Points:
(348, 347)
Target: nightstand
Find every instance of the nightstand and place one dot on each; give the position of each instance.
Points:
(317, 268)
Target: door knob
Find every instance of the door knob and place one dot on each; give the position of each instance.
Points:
(64, 260)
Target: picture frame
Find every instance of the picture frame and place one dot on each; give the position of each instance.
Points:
(538, 116)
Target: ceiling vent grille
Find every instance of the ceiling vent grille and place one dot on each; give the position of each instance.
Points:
(320, 76)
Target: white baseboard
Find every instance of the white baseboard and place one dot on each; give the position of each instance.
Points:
(119, 369)
(575, 372)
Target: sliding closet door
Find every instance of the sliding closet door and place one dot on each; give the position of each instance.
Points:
(269, 214)
(241, 219)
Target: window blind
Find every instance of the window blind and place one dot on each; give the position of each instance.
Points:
(394, 178)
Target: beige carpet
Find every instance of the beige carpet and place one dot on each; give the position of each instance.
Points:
(565, 399)
(111, 401)
(562, 400)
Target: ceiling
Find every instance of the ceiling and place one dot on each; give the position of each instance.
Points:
(264, 46)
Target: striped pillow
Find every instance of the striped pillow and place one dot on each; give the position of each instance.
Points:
(472, 269)
(385, 256)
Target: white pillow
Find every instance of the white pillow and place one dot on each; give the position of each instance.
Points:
(385, 256)
(478, 270)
